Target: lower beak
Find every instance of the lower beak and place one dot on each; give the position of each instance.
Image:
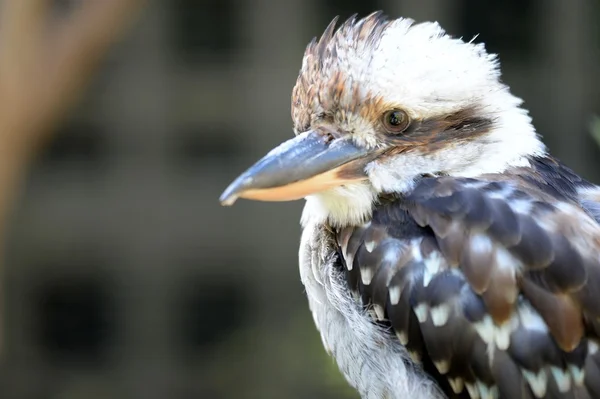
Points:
(309, 163)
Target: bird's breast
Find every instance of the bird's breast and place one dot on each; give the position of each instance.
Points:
(370, 357)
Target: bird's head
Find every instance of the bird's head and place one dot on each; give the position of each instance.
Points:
(379, 104)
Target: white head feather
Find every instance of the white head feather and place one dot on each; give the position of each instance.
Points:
(427, 73)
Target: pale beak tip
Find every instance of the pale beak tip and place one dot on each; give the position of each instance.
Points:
(228, 201)
(229, 196)
(235, 189)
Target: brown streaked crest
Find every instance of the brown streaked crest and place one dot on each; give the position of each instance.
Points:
(322, 83)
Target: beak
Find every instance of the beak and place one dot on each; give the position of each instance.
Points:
(309, 163)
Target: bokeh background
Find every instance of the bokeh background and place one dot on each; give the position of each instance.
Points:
(124, 278)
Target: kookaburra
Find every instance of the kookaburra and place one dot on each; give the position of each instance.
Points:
(444, 252)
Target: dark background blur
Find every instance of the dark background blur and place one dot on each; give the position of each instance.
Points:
(124, 276)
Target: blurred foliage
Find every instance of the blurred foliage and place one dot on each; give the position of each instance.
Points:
(595, 129)
(296, 375)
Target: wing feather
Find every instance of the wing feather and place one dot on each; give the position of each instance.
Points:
(492, 285)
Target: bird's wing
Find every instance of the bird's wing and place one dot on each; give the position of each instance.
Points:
(589, 197)
(493, 285)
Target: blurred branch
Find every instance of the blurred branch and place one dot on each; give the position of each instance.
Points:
(44, 65)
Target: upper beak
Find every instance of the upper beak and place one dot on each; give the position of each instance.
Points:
(308, 163)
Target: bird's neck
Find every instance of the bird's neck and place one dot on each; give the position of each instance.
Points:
(341, 206)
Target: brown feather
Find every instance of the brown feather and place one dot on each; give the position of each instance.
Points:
(560, 312)
(472, 259)
(501, 295)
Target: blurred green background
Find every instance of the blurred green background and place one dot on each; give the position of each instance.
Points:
(124, 276)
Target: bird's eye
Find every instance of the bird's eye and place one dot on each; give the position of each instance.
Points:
(395, 121)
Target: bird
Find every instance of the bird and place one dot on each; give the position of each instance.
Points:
(445, 253)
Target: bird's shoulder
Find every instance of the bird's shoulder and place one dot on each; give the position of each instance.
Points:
(491, 283)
